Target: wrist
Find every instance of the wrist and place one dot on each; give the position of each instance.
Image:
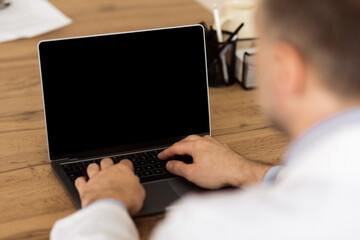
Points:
(108, 201)
(248, 172)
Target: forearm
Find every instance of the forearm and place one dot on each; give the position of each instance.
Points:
(104, 219)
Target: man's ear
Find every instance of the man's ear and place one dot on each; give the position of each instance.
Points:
(290, 70)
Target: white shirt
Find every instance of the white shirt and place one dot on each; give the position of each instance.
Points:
(315, 196)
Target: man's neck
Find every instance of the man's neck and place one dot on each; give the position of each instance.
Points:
(317, 111)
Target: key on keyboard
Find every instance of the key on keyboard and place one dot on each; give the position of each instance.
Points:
(147, 166)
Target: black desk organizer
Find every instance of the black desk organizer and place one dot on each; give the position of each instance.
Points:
(214, 64)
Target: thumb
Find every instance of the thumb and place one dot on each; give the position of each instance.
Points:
(80, 183)
(178, 168)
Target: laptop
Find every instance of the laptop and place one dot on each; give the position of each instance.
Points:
(125, 95)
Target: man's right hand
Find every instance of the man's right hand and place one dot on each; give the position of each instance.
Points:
(112, 181)
(214, 165)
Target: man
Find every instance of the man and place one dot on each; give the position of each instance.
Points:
(309, 84)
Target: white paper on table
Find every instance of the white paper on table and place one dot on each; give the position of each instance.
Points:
(29, 18)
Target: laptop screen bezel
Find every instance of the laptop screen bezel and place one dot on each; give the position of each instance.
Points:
(131, 147)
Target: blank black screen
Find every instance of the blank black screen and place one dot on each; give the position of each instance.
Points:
(109, 93)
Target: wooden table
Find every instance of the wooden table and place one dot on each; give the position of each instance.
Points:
(32, 198)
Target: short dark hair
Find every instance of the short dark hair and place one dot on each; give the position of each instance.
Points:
(325, 32)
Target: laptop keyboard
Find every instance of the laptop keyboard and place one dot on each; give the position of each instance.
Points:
(147, 166)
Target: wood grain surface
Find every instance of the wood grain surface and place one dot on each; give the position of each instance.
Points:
(31, 197)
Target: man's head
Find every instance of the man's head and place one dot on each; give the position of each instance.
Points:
(309, 58)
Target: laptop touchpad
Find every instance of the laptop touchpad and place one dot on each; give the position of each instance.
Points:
(181, 186)
(159, 195)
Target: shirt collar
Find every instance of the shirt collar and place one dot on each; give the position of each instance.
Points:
(320, 130)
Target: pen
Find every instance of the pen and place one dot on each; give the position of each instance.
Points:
(226, 46)
(220, 39)
(232, 37)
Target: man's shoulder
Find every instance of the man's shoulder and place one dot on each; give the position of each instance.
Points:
(285, 208)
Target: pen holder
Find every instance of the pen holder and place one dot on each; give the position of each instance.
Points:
(217, 53)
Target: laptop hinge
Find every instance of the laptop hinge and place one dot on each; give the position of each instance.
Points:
(60, 159)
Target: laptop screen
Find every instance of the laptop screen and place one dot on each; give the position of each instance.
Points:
(111, 93)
